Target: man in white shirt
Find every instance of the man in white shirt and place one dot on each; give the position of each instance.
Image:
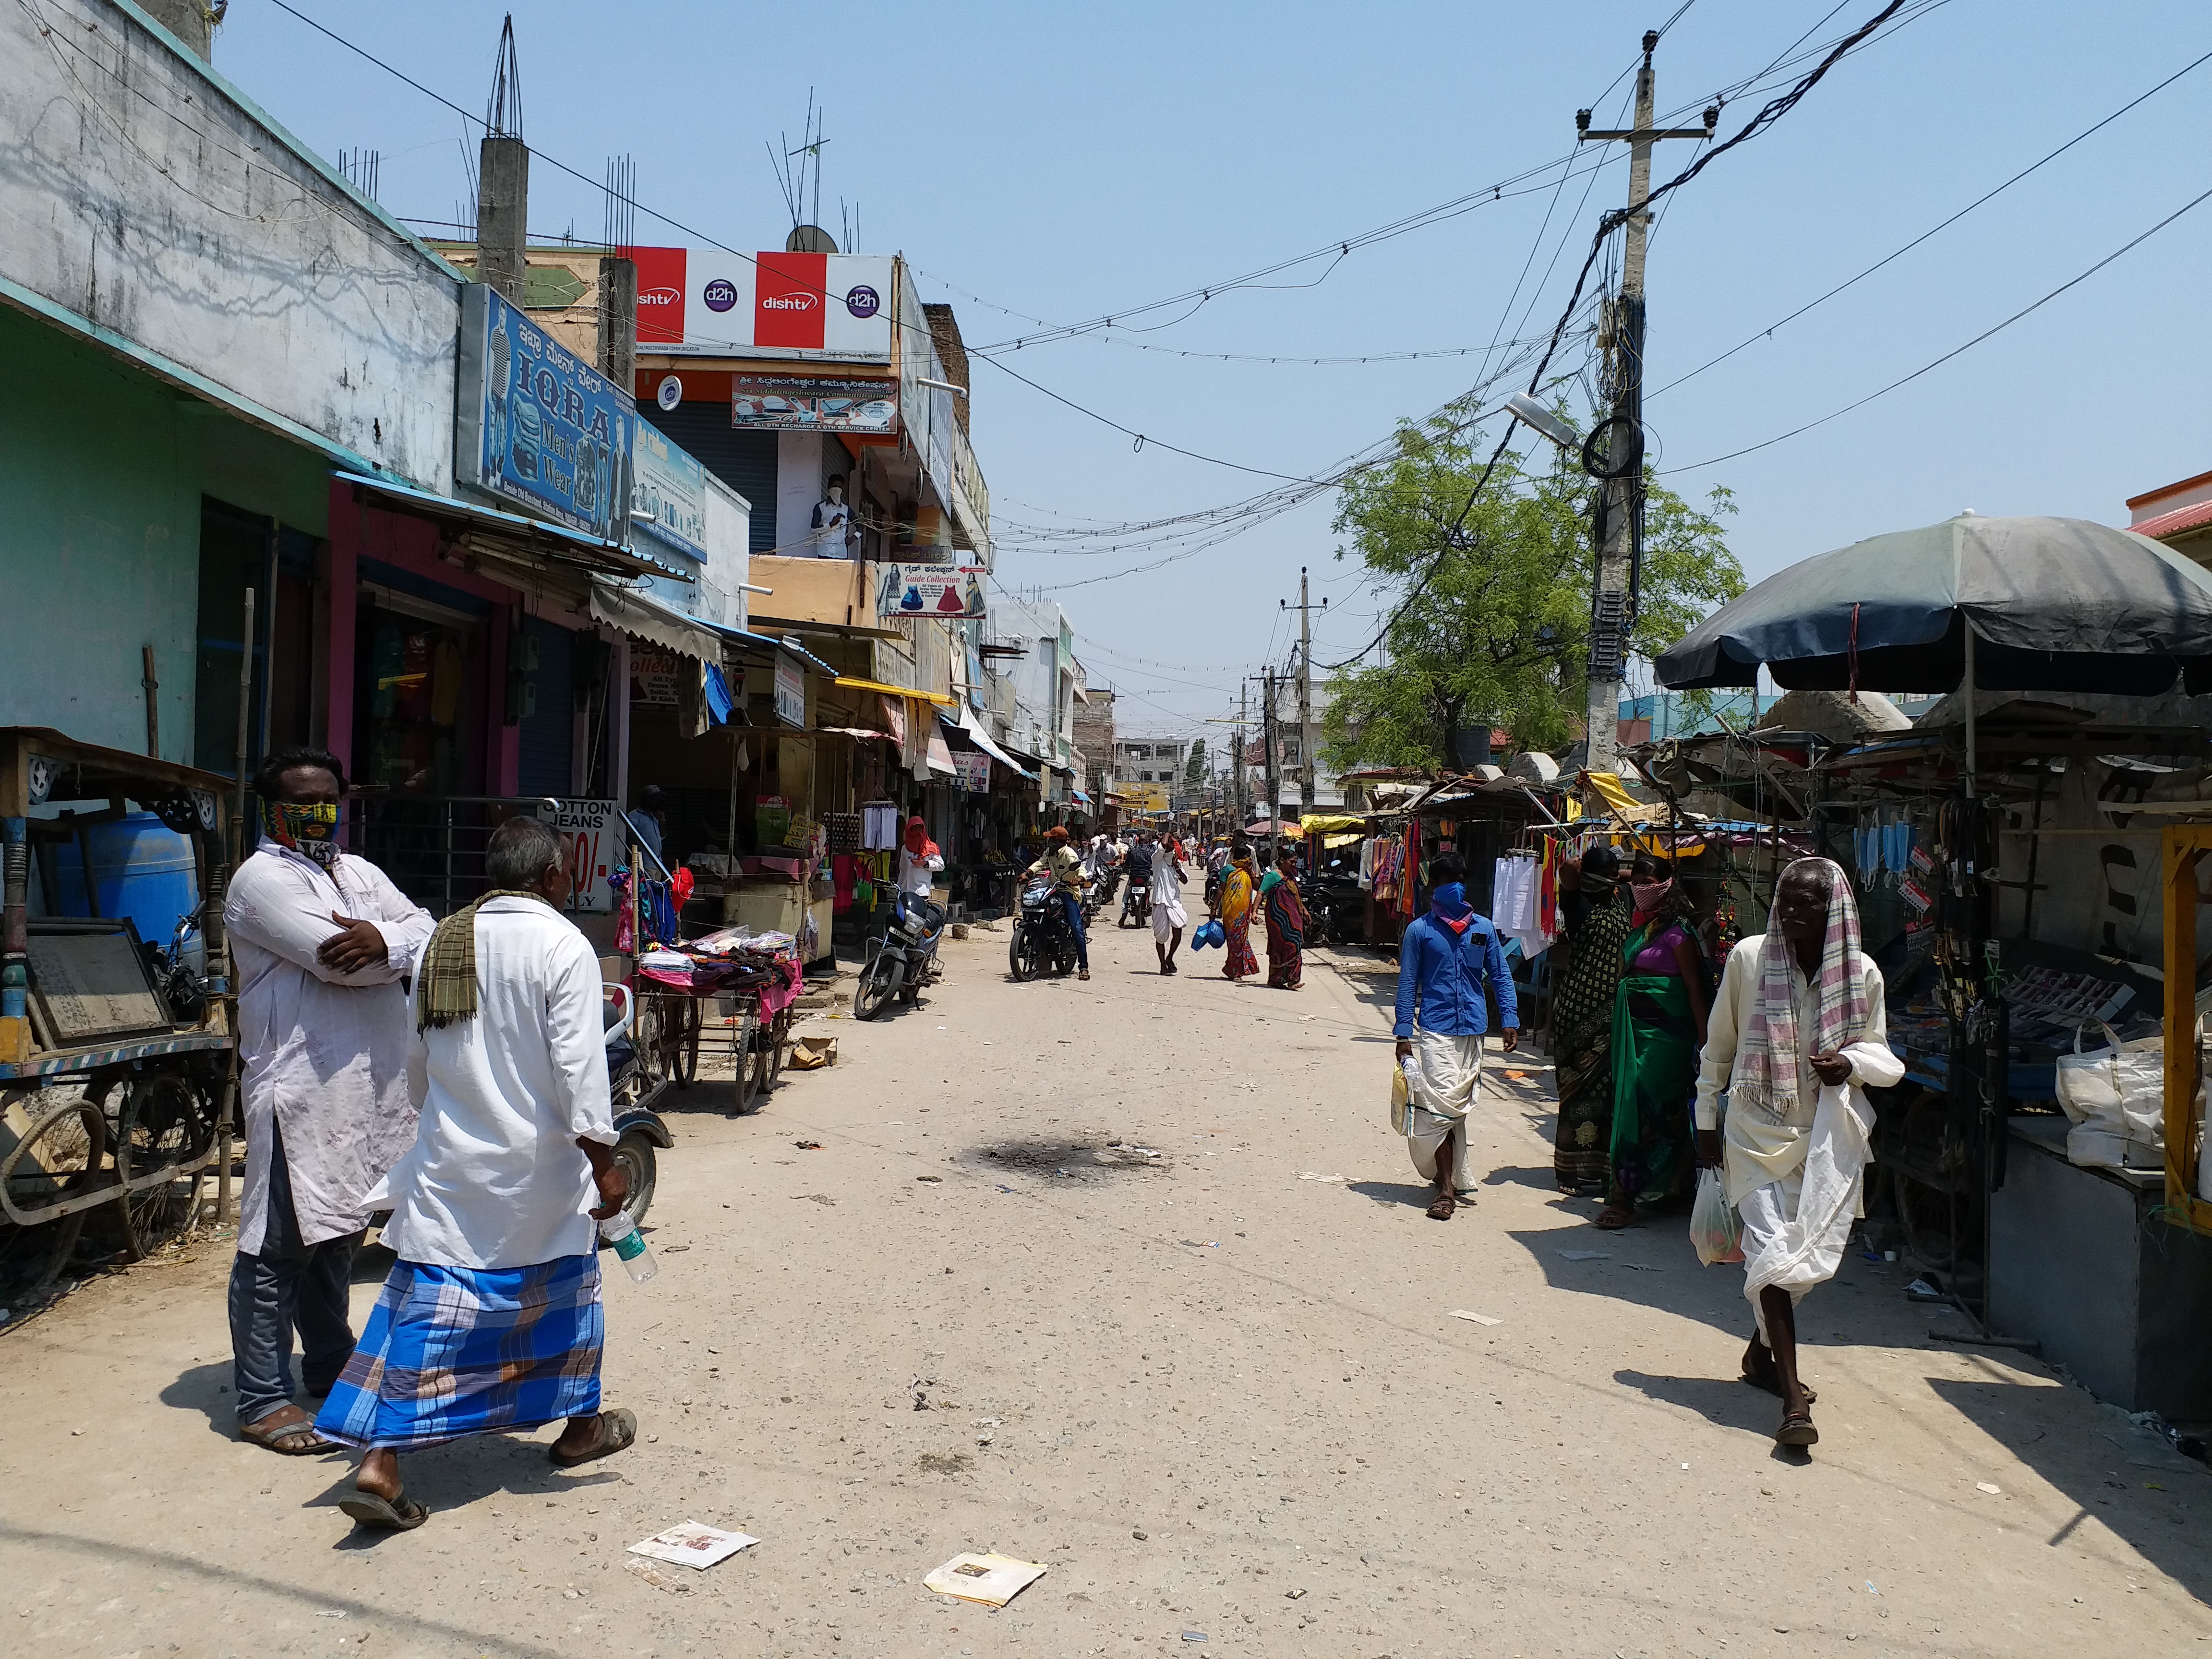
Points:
(490, 1320)
(1169, 917)
(323, 942)
(1797, 1028)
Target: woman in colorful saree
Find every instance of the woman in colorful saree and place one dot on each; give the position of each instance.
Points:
(1287, 922)
(1238, 887)
(1582, 1022)
(1658, 1028)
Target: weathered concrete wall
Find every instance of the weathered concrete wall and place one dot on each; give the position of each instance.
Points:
(102, 469)
(142, 197)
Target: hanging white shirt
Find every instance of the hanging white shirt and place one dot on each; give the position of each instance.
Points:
(324, 1053)
(495, 1178)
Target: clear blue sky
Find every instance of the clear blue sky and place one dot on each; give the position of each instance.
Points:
(1066, 162)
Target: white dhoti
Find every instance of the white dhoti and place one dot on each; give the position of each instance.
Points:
(1450, 1081)
(1168, 913)
(1795, 1228)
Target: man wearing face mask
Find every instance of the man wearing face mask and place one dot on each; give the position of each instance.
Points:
(831, 519)
(1447, 961)
(324, 943)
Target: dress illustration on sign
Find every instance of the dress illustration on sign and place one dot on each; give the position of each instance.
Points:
(935, 590)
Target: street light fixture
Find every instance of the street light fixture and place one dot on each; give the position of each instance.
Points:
(1526, 410)
(940, 386)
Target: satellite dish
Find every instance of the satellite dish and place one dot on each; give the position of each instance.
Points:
(809, 239)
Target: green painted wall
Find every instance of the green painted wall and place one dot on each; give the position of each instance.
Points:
(102, 469)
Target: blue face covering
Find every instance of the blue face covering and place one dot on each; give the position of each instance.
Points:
(1449, 901)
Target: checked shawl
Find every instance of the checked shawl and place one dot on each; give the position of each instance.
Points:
(1766, 1076)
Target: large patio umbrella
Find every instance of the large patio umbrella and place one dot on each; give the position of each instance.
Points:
(2019, 605)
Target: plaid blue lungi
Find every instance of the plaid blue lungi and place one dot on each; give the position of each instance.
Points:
(450, 1352)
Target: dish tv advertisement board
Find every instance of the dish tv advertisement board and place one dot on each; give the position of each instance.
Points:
(774, 303)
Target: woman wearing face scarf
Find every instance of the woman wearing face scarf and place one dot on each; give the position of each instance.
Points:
(1658, 1027)
(1239, 888)
(919, 859)
(1582, 1021)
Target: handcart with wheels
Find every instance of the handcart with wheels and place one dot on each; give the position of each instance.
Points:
(681, 992)
(116, 1051)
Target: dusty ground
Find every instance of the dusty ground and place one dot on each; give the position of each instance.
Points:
(1220, 1392)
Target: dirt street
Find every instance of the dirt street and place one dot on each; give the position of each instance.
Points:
(1131, 1278)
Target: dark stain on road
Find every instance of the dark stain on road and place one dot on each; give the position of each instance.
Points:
(1064, 1158)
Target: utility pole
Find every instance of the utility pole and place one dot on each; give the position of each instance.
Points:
(1619, 524)
(1268, 733)
(1243, 706)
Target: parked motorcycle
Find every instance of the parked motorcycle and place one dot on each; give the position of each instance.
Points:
(1335, 905)
(1041, 942)
(638, 1128)
(904, 960)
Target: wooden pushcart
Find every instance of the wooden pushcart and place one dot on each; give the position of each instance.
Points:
(116, 1056)
(676, 1017)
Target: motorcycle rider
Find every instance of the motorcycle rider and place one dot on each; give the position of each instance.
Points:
(1138, 865)
(1063, 864)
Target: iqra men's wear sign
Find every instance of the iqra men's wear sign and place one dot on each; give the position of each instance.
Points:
(538, 425)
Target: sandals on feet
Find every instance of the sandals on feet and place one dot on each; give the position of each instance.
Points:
(1797, 1430)
(617, 1431)
(400, 1513)
(1614, 1216)
(1443, 1208)
(297, 1439)
(1769, 1379)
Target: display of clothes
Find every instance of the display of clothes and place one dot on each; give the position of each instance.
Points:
(1517, 904)
(879, 826)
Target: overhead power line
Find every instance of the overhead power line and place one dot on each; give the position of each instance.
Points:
(1987, 333)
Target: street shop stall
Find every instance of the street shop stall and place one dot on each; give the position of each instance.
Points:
(117, 1075)
(2025, 1160)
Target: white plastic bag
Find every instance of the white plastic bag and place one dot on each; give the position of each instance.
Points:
(2116, 1097)
(1401, 1097)
(1714, 1230)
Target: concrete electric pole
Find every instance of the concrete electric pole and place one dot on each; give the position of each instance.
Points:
(1268, 735)
(1243, 706)
(1619, 525)
(1305, 698)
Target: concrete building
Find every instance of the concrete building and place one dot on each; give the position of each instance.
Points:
(2178, 515)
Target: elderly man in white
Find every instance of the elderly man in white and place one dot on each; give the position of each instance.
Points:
(1797, 1030)
(322, 941)
(490, 1320)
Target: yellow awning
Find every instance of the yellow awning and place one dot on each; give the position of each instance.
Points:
(851, 683)
(1328, 821)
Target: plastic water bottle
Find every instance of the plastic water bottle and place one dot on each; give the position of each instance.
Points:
(619, 1231)
(1411, 1065)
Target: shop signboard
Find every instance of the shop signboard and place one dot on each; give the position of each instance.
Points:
(813, 403)
(653, 677)
(790, 689)
(672, 486)
(594, 840)
(1144, 797)
(906, 590)
(709, 301)
(535, 424)
(975, 772)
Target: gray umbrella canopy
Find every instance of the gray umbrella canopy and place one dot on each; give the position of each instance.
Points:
(2056, 605)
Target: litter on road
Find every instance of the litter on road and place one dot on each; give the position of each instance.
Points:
(991, 1581)
(694, 1544)
(1480, 1319)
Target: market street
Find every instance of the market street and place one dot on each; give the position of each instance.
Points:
(1219, 1391)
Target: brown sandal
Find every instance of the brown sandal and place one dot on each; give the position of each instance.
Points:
(617, 1431)
(1614, 1216)
(279, 1438)
(1797, 1430)
(1443, 1209)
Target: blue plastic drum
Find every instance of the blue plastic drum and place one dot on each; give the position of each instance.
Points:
(141, 869)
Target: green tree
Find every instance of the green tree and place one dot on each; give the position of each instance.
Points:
(1194, 770)
(1498, 628)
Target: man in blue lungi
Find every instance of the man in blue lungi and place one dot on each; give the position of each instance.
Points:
(490, 1320)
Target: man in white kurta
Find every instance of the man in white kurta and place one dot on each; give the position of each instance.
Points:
(323, 942)
(490, 1321)
(1169, 916)
(1796, 1139)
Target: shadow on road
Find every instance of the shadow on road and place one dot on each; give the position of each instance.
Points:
(2127, 1480)
(1650, 1265)
(1394, 1192)
(1728, 1401)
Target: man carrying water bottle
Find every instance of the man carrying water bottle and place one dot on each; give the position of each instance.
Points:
(490, 1320)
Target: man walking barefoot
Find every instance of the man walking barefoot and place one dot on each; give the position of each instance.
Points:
(1446, 961)
(1797, 1028)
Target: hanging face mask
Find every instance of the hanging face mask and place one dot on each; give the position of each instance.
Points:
(310, 828)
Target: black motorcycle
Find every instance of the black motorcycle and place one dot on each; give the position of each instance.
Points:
(903, 960)
(1043, 942)
(1136, 903)
(1335, 905)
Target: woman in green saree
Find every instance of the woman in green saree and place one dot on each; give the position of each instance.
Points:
(1658, 1029)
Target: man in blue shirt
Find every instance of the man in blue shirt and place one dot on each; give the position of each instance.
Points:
(1450, 965)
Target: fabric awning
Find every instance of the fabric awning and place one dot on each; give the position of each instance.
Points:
(967, 722)
(1331, 821)
(648, 619)
(852, 683)
(512, 533)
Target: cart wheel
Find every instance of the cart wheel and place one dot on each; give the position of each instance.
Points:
(744, 1044)
(645, 1038)
(772, 1055)
(633, 1156)
(159, 1127)
(683, 1029)
(58, 1156)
